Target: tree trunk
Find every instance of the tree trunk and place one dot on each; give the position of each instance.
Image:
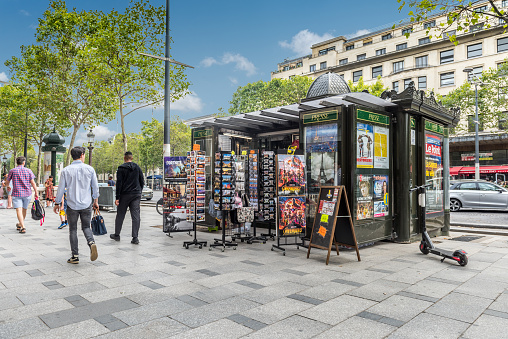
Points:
(39, 163)
(124, 136)
(71, 145)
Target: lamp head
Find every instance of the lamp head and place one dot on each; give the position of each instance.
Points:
(90, 136)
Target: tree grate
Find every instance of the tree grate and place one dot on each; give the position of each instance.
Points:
(468, 238)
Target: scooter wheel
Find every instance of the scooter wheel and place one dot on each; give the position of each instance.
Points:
(462, 257)
(424, 248)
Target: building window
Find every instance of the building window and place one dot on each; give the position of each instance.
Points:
(504, 3)
(502, 44)
(326, 50)
(366, 43)
(343, 61)
(299, 64)
(350, 47)
(421, 61)
(406, 83)
(386, 36)
(395, 86)
(446, 56)
(429, 24)
(400, 47)
(361, 57)
(481, 9)
(422, 82)
(471, 123)
(357, 75)
(377, 71)
(503, 121)
(408, 30)
(312, 68)
(423, 41)
(342, 76)
(476, 73)
(381, 51)
(476, 28)
(447, 79)
(322, 65)
(286, 68)
(447, 35)
(398, 66)
(474, 51)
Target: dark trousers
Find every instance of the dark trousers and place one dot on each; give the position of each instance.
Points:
(72, 217)
(132, 202)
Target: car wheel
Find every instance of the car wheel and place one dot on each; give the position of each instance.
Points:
(455, 205)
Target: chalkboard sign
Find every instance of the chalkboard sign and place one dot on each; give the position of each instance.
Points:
(333, 223)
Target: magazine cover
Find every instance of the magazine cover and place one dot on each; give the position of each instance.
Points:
(291, 174)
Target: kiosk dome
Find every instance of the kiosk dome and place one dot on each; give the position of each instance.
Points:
(326, 85)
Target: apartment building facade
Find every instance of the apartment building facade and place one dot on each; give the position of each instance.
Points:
(432, 63)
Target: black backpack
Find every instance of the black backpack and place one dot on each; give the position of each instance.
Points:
(38, 212)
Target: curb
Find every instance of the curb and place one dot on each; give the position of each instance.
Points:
(479, 231)
(491, 226)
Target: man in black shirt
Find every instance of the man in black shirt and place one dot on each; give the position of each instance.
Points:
(129, 184)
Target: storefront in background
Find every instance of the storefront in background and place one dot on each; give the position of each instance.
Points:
(378, 148)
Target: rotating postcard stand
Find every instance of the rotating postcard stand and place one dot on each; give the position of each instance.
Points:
(195, 167)
(291, 199)
(267, 193)
(223, 194)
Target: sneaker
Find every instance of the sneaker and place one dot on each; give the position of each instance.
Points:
(114, 237)
(135, 241)
(73, 260)
(93, 250)
(62, 225)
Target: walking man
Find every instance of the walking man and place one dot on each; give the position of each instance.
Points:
(111, 182)
(129, 185)
(81, 183)
(22, 178)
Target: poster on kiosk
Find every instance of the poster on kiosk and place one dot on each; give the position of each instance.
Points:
(291, 194)
(174, 196)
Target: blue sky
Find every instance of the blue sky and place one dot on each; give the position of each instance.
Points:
(231, 43)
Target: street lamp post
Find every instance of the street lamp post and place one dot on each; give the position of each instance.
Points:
(4, 162)
(90, 137)
(477, 81)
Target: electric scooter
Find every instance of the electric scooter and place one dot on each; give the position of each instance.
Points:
(426, 245)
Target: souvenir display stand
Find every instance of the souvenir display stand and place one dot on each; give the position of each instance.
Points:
(333, 224)
(254, 165)
(195, 167)
(267, 195)
(291, 199)
(175, 197)
(224, 194)
(241, 165)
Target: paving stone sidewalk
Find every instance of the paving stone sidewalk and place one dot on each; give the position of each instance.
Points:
(158, 289)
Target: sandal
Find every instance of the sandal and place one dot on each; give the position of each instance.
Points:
(23, 230)
(18, 227)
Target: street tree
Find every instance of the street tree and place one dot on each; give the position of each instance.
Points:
(462, 15)
(78, 90)
(136, 81)
(151, 145)
(375, 89)
(261, 95)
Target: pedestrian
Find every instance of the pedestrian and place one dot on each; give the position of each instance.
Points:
(22, 178)
(49, 191)
(63, 212)
(82, 195)
(9, 191)
(129, 185)
(111, 182)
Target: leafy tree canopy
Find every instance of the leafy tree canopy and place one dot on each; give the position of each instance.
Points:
(375, 89)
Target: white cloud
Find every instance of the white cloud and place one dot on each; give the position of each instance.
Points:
(241, 63)
(3, 77)
(234, 81)
(101, 133)
(209, 61)
(358, 33)
(25, 13)
(303, 40)
(190, 103)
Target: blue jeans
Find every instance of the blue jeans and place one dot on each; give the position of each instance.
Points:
(72, 218)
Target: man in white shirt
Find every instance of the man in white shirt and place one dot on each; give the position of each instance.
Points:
(80, 181)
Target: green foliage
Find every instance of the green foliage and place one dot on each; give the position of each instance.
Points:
(492, 98)
(261, 95)
(136, 81)
(460, 15)
(375, 89)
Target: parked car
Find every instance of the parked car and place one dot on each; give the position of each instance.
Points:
(147, 193)
(478, 195)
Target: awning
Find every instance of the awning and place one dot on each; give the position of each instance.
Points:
(483, 170)
(455, 170)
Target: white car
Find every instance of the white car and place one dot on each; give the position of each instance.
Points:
(147, 193)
